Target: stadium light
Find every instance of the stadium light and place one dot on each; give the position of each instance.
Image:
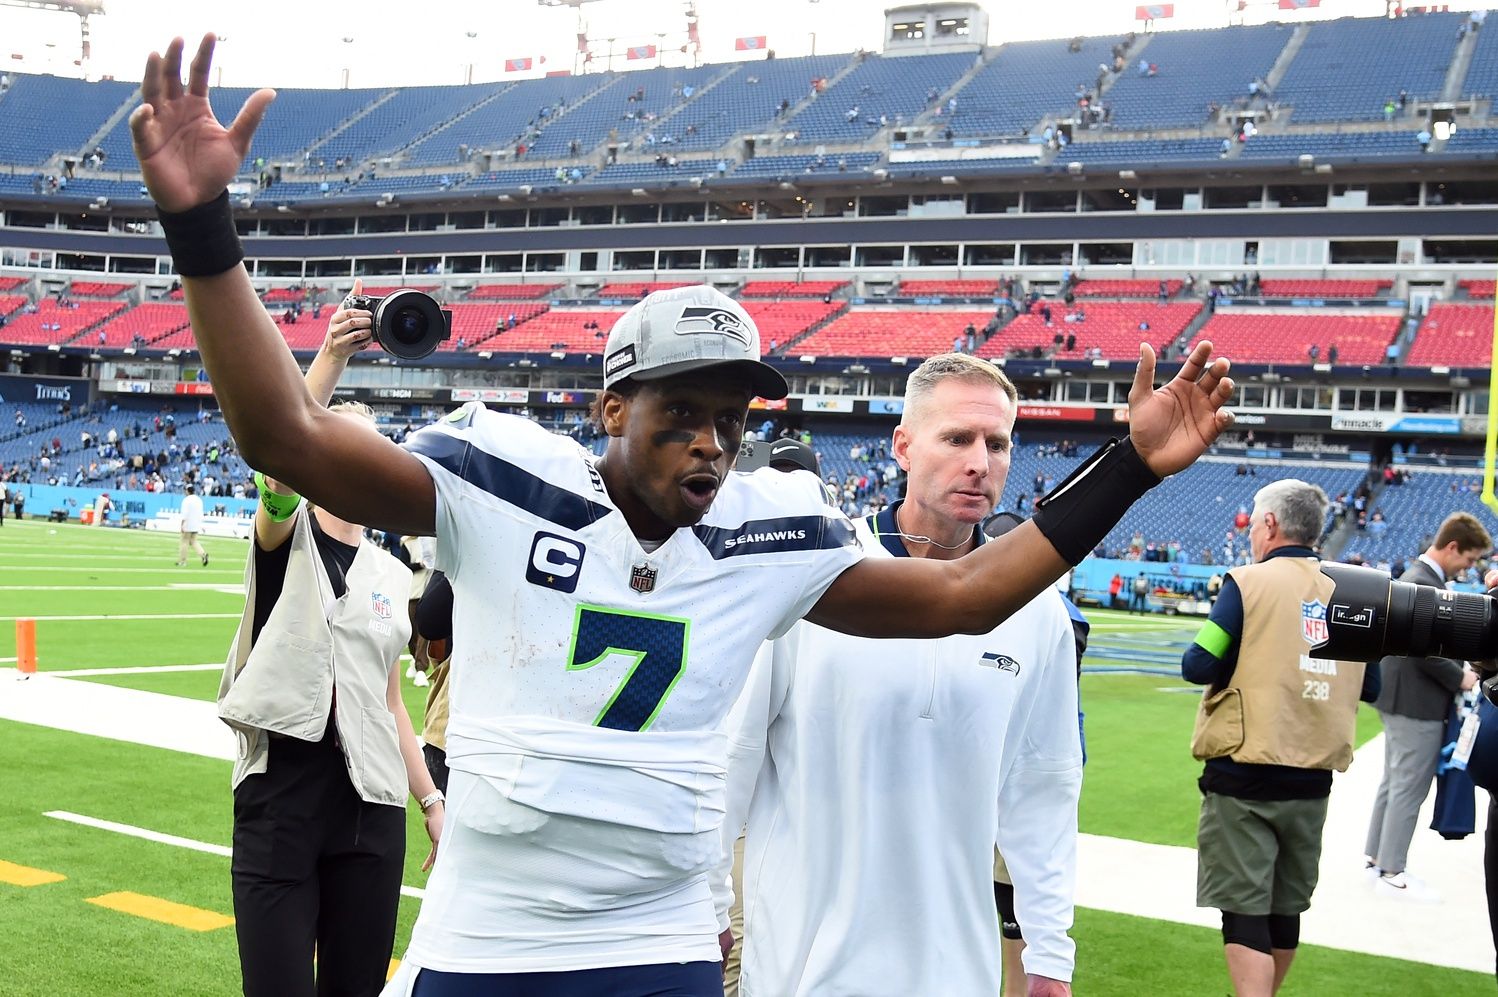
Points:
(803, 359)
(900, 361)
(1074, 168)
(639, 192)
(1127, 175)
(485, 355)
(950, 181)
(558, 355)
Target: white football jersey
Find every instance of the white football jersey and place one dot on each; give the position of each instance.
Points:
(589, 687)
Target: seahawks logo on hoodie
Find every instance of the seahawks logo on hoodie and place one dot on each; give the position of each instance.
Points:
(1002, 662)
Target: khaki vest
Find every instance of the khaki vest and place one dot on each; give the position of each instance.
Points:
(434, 726)
(283, 683)
(1282, 706)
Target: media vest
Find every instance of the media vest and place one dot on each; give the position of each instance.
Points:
(283, 683)
(1282, 706)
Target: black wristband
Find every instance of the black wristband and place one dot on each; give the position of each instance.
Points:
(1079, 512)
(203, 240)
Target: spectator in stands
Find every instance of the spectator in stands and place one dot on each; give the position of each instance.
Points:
(1314, 352)
(1423, 137)
(1389, 109)
(1416, 696)
(1331, 353)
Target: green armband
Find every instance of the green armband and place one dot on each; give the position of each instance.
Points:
(278, 507)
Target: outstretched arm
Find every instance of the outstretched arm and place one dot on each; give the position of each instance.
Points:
(1169, 427)
(187, 160)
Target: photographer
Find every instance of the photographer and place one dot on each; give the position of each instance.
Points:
(326, 750)
(1273, 724)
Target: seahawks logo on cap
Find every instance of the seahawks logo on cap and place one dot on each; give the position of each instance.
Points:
(697, 320)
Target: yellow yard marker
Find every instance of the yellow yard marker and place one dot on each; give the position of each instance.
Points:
(22, 875)
(394, 965)
(165, 911)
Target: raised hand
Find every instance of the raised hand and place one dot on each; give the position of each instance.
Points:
(349, 329)
(186, 157)
(1173, 424)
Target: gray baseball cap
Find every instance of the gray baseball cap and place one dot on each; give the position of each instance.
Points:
(684, 329)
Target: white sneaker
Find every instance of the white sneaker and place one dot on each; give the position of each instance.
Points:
(411, 670)
(421, 680)
(1403, 886)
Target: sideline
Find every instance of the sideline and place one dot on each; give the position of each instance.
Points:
(1113, 874)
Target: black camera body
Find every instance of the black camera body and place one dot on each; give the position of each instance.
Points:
(1371, 616)
(408, 324)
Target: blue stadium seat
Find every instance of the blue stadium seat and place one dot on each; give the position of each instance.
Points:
(1195, 68)
(1350, 146)
(1024, 83)
(591, 122)
(748, 99)
(1346, 69)
(44, 115)
(502, 122)
(891, 86)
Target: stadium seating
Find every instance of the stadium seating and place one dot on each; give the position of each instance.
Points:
(1124, 288)
(925, 168)
(1454, 335)
(1262, 336)
(591, 122)
(35, 328)
(150, 321)
(379, 290)
(1275, 288)
(1342, 145)
(947, 289)
(1112, 326)
(791, 288)
(1025, 83)
(501, 122)
(748, 99)
(791, 167)
(10, 303)
(889, 333)
(543, 333)
(1195, 68)
(1472, 141)
(511, 292)
(1486, 289)
(779, 322)
(1412, 512)
(1142, 152)
(11, 283)
(402, 118)
(650, 172)
(475, 322)
(97, 289)
(1482, 71)
(539, 176)
(43, 115)
(892, 86)
(1346, 69)
(632, 291)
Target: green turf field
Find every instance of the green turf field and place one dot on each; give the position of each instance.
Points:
(1140, 784)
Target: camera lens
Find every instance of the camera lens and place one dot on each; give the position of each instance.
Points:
(409, 326)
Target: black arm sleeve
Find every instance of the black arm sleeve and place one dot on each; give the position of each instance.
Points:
(434, 613)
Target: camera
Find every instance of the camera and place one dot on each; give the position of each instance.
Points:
(1370, 615)
(407, 323)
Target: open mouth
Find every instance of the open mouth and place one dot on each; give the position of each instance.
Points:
(699, 490)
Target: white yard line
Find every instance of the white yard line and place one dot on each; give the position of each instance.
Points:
(1113, 874)
(79, 673)
(170, 839)
(206, 587)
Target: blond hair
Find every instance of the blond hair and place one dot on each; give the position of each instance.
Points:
(354, 408)
(952, 366)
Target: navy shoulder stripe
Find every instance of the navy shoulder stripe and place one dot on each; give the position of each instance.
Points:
(770, 536)
(507, 481)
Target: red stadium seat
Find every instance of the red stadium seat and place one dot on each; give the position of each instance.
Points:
(1323, 288)
(948, 288)
(11, 283)
(509, 292)
(791, 288)
(35, 328)
(1112, 326)
(564, 326)
(150, 321)
(1124, 288)
(1454, 335)
(1485, 289)
(889, 333)
(97, 289)
(1285, 337)
(637, 290)
(780, 322)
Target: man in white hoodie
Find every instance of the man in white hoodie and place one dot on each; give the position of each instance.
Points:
(874, 796)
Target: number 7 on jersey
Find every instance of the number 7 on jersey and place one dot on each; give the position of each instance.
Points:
(656, 647)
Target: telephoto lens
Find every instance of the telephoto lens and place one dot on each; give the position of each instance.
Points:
(1370, 615)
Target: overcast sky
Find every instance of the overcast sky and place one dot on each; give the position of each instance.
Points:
(402, 42)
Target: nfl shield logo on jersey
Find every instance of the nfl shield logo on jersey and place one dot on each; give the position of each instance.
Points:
(1313, 623)
(642, 578)
(380, 603)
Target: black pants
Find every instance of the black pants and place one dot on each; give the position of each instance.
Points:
(1490, 866)
(316, 870)
(675, 979)
(436, 760)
